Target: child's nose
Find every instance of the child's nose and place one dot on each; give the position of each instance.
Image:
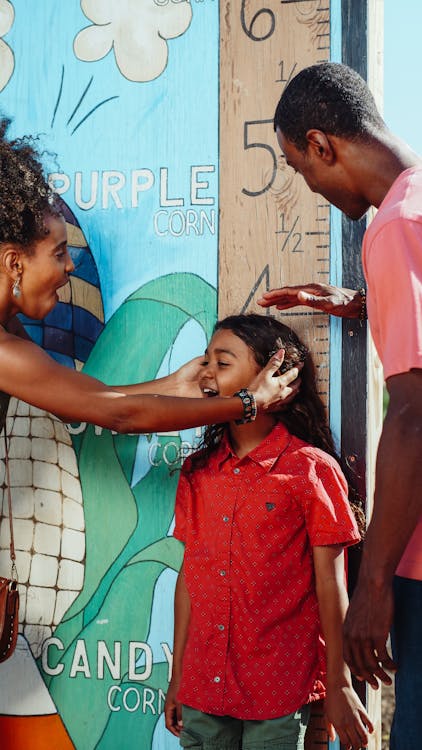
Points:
(70, 266)
(208, 370)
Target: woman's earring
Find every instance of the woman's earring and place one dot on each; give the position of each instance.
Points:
(16, 289)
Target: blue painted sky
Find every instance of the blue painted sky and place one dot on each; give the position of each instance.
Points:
(402, 98)
(99, 123)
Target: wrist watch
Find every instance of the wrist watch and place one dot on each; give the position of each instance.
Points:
(249, 406)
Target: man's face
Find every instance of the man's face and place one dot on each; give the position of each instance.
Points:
(326, 176)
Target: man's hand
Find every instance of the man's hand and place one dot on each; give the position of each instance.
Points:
(366, 630)
(344, 303)
(173, 710)
(273, 391)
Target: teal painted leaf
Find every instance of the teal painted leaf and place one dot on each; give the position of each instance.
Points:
(134, 725)
(184, 290)
(124, 617)
(109, 508)
(155, 495)
(147, 324)
(135, 728)
(168, 551)
(126, 543)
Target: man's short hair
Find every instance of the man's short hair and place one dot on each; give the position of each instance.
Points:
(330, 97)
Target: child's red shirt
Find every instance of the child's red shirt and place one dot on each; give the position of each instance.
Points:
(249, 525)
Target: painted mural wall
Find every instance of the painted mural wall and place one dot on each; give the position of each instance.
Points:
(135, 104)
(131, 136)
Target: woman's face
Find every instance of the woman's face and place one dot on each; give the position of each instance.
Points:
(45, 271)
(228, 365)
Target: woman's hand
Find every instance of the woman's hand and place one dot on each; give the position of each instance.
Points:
(345, 714)
(342, 302)
(173, 710)
(186, 379)
(271, 390)
(183, 383)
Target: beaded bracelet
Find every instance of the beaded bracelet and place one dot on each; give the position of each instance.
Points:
(249, 406)
(362, 313)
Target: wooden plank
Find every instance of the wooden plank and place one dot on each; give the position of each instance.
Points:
(272, 229)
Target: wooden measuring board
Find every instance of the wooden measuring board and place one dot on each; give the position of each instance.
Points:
(273, 230)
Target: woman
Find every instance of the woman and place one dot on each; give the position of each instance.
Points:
(34, 264)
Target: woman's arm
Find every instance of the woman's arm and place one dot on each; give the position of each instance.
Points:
(183, 383)
(29, 374)
(343, 709)
(172, 708)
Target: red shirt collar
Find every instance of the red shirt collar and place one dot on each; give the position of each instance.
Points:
(265, 454)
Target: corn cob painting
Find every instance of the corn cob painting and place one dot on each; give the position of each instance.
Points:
(46, 492)
(49, 524)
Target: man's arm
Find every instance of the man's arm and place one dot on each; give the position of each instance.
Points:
(172, 708)
(339, 301)
(397, 508)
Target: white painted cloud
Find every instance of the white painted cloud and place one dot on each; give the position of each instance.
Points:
(137, 30)
(7, 60)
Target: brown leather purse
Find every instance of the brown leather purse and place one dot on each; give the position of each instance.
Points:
(9, 595)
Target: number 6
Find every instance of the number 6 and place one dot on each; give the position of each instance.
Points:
(248, 31)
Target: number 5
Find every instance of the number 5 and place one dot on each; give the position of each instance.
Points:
(258, 144)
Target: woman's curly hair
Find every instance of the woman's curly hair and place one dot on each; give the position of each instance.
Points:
(305, 416)
(26, 196)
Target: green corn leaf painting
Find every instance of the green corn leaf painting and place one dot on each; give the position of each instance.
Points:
(127, 532)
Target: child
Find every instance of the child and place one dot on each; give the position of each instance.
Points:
(264, 516)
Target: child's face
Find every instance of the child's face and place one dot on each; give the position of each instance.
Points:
(228, 365)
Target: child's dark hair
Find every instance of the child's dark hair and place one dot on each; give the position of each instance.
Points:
(25, 196)
(305, 416)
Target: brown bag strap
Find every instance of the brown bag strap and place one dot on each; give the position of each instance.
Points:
(14, 572)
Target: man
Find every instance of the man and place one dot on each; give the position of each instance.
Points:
(330, 131)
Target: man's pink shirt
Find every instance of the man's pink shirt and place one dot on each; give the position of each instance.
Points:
(392, 263)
